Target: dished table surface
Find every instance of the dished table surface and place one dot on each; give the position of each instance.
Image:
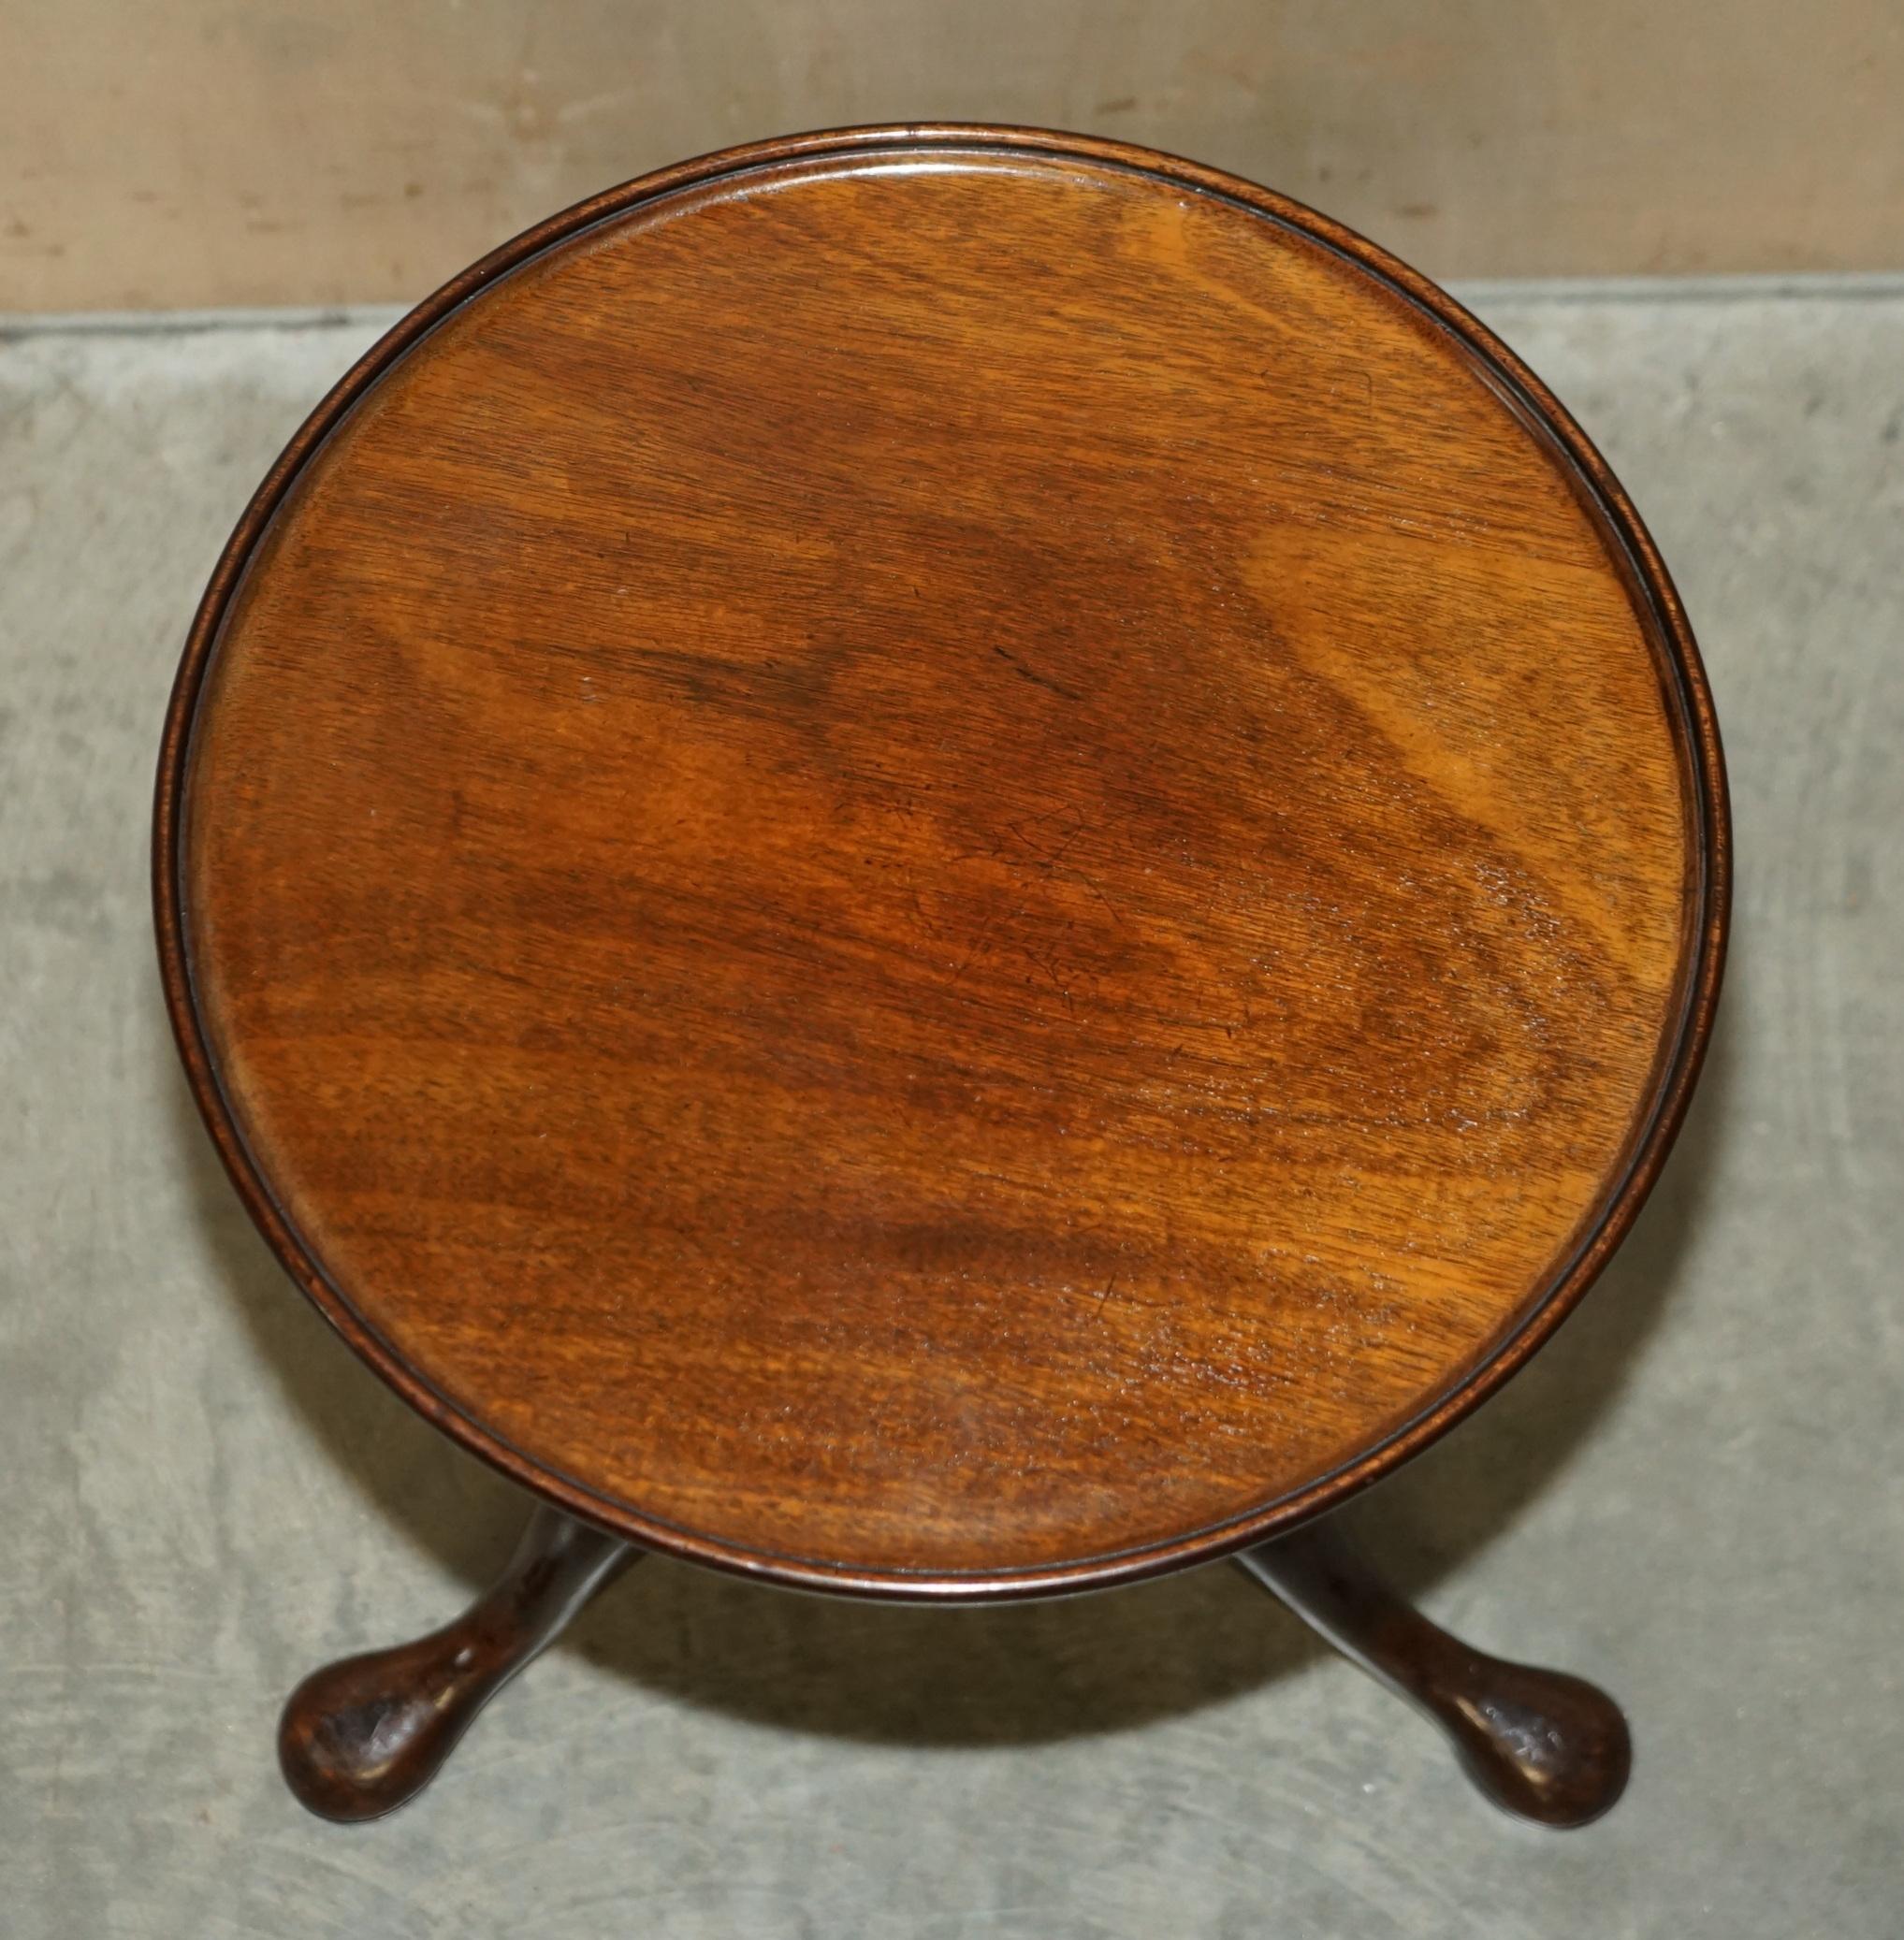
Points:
(942, 861)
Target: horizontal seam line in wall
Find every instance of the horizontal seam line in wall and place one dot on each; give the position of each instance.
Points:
(1835, 287)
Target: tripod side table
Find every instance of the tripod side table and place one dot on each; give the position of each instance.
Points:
(941, 862)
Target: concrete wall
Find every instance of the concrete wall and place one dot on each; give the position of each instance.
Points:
(196, 153)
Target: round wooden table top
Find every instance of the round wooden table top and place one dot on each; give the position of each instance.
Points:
(941, 861)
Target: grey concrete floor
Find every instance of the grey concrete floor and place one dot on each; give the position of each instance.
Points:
(1693, 1495)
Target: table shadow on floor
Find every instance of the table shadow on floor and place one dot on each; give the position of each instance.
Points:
(1002, 1674)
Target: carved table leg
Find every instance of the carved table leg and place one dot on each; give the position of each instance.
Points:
(362, 1735)
(1538, 1743)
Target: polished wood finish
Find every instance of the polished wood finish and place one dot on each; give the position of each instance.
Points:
(364, 1735)
(360, 1737)
(942, 861)
(1542, 1744)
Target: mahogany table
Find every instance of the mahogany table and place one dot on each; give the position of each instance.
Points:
(941, 862)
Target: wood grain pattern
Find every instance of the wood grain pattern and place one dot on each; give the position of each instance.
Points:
(942, 861)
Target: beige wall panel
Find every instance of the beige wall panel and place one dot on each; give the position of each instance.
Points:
(198, 153)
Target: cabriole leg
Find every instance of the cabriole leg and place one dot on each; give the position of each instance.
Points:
(362, 1735)
(1540, 1744)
